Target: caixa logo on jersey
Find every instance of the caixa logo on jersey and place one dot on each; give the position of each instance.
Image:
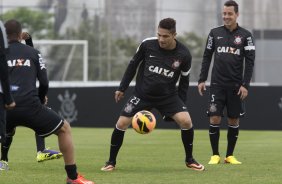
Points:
(18, 62)
(67, 109)
(230, 50)
(161, 71)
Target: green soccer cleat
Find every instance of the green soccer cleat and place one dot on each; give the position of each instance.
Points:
(215, 159)
(48, 155)
(4, 165)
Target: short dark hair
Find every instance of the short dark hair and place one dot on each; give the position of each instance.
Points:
(232, 3)
(13, 28)
(169, 24)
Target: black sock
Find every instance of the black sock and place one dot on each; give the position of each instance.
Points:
(116, 142)
(71, 171)
(232, 136)
(5, 148)
(214, 134)
(40, 143)
(187, 137)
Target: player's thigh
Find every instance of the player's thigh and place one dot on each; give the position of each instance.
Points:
(217, 101)
(47, 122)
(183, 119)
(234, 104)
(43, 120)
(135, 104)
(183, 116)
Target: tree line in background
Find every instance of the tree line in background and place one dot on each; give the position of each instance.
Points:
(108, 56)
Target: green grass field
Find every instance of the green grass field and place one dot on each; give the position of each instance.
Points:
(157, 158)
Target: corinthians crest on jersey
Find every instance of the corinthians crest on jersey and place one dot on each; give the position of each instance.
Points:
(176, 64)
(238, 40)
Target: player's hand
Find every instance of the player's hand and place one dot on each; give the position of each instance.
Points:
(45, 100)
(118, 96)
(10, 106)
(201, 88)
(25, 36)
(243, 92)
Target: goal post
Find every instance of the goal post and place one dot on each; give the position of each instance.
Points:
(42, 44)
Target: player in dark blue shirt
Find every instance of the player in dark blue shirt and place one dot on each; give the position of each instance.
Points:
(161, 62)
(26, 66)
(234, 55)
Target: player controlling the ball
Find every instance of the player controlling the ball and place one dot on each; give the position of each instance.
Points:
(162, 61)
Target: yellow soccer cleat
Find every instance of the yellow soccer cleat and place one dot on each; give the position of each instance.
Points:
(215, 159)
(47, 154)
(231, 160)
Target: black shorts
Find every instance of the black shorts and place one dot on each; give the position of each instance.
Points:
(167, 107)
(43, 120)
(221, 97)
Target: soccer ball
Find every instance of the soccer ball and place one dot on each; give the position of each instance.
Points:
(143, 122)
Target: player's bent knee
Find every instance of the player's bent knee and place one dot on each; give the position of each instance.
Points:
(233, 121)
(186, 125)
(215, 120)
(65, 128)
(123, 123)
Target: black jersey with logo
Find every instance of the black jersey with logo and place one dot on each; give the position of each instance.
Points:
(230, 50)
(159, 70)
(26, 65)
